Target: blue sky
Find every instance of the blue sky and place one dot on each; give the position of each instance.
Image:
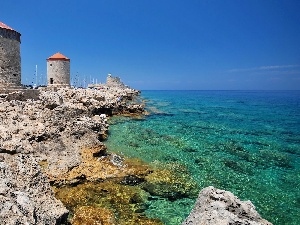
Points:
(164, 44)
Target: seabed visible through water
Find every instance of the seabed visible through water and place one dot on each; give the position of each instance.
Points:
(244, 142)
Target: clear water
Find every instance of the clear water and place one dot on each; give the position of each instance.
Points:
(247, 142)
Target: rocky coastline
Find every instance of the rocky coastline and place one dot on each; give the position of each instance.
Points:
(52, 158)
(54, 137)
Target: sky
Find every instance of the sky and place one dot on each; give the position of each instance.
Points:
(163, 44)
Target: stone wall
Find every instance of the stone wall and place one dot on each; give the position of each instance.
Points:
(10, 34)
(10, 61)
(58, 72)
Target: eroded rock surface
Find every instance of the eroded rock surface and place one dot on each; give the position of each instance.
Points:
(219, 207)
(55, 138)
(56, 127)
(25, 193)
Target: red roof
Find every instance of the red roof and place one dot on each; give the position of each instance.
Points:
(3, 25)
(58, 56)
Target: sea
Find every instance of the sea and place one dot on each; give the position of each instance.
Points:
(245, 142)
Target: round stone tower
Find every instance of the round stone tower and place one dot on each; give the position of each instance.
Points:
(10, 59)
(58, 70)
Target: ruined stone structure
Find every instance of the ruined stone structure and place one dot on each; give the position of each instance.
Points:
(10, 59)
(58, 70)
(114, 81)
(111, 82)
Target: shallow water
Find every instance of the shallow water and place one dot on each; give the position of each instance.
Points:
(247, 142)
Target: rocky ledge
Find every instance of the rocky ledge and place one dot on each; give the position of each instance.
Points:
(53, 136)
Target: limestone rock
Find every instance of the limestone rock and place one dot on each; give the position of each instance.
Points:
(61, 130)
(219, 207)
(57, 125)
(25, 194)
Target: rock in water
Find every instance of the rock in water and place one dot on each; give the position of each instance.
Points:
(25, 194)
(219, 207)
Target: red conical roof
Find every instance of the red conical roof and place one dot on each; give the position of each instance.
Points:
(3, 25)
(58, 56)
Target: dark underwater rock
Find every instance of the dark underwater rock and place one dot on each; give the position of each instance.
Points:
(173, 183)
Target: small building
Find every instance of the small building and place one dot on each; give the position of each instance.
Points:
(58, 70)
(10, 58)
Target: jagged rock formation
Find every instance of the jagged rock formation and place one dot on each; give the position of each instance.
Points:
(25, 194)
(219, 207)
(60, 133)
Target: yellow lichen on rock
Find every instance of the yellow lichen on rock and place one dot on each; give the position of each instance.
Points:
(96, 165)
(127, 203)
(43, 164)
(88, 215)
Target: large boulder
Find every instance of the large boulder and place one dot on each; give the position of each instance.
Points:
(219, 207)
(25, 194)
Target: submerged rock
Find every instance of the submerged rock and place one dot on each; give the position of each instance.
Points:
(219, 207)
(106, 202)
(173, 183)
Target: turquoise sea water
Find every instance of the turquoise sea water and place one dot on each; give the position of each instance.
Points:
(247, 142)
